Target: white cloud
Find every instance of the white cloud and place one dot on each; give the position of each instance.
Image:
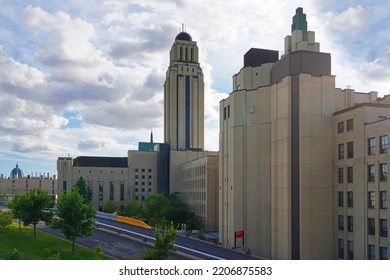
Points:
(106, 60)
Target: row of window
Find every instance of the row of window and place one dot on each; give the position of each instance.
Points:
(371, 173)
(370, 225)
(111, 190)
(371, 197)
(350, 251)
(143, 170)
(340, 126)
(341, 151)
(371, 145)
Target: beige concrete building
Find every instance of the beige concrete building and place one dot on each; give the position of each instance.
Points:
(196, 177)
(361, 161)
(18, 183)
(159, 167)
(184, 96)
(277, 144)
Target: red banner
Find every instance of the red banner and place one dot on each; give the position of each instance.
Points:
(239, 234)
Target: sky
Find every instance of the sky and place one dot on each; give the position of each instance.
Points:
(86, 77)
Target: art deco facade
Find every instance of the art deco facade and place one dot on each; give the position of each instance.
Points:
(278, 147)
(184, 96)
(161, 167)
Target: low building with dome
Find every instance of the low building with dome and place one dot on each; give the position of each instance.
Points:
(18, 183)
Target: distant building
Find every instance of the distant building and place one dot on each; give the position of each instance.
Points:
(18, 183)
(161, 167)
(303, 165)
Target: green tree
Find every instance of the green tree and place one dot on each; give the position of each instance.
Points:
(5, 221)
(32, 207)
(133, 209)
(163, 244)
(163, 209)
(110, 207)
(85, 192)
(74, 217)
(16, 206)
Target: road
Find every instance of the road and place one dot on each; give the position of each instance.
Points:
(124, 242)
(195, 247)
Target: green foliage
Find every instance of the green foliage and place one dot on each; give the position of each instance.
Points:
(14, 254)
(50, 255)
(32, 207)
(98, 251)
(133, 209)
(74, 218)
(201, 234)
(85, 192)
(163, 209)
(110, 207)
(5, 221)
(163, 244)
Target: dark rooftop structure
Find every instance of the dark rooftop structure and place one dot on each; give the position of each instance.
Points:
(113, 162)
(256, 57)
(184, 36)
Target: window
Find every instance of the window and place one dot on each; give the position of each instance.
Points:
(101, 190)
(383, 172)
(350, 125)
(371, 146)
(341, 151)
(350, 199)
(341, 175)
(350, 223)
(341, 199)
(350, 149)
(64, 187)
(383, 200)
(341, 222)
(224, 113)
(111, 190)
(383, 227)
(383, 253)
(371, 226)
(371, 252)
(383, 144)
(350, 250)
(136, 169)
(371, 173)
(340, 127)
(350, 174)
(341, 249)
(150, 170)
(122, 191)
(371, 200)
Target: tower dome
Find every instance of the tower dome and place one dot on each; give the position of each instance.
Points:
(184, 36)
(16, 173)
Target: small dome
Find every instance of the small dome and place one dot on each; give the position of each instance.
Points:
(16, 173)
(184, 36)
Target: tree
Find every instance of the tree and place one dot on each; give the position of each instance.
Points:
(85, 192)
(32, 207)
(74, 218)
(5, 221)
(133, 209)
(163, 244)
(163, 209)
(16, 206)
(110, 207)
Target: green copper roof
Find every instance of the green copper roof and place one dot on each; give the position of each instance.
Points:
(299, 22)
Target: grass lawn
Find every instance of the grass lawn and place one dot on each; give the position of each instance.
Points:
(41, 247)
